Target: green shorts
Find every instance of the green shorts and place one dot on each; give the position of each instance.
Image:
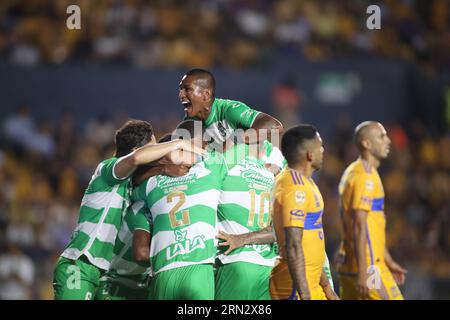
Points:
(122, 288)
(242, 281)
(194, 282)
(75, 279)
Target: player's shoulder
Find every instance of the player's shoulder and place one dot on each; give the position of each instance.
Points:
(359, 169)
(289, 179)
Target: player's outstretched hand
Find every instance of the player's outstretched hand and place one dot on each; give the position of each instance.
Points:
(232, 240)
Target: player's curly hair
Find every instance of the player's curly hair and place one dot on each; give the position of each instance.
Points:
(133, 134)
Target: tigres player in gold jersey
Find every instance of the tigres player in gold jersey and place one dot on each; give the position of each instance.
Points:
(366, 269)
(297, 220)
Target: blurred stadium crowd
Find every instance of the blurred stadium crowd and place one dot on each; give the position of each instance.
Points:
(46, 165)
(231, 33)
(45, 168)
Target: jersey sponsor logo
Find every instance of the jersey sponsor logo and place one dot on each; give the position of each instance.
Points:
(184, 245)
(300, 197)
(297, 214)
(366, 200)
(254, 177)
(170, 182)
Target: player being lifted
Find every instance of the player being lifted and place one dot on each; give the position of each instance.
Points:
(222, 117)
(243, 273)
(297, 219)
(366, 269)
(183, 229)
(88, 254)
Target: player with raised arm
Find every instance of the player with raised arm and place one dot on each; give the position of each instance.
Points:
(88, 254)
(297, 219)
(222, 117)
(366, 269)
(184, 226)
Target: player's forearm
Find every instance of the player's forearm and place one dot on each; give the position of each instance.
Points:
(296, 261)
(265, 126)
(148, 153)
(141, 245)
(324, 282)
(262, 236)
(387, 257)
(154, 152)
(360, 237)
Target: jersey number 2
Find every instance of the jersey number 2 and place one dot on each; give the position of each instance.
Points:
(174, 222)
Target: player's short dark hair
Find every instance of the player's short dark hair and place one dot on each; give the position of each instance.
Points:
(188, 127)
(133, 134)
(294, 139)
(165, 138)
(207, 80)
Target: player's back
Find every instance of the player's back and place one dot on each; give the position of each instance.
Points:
(184, 214)
(360, 188)
(297, 202)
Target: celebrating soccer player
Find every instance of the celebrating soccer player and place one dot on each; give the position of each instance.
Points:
(90, 250)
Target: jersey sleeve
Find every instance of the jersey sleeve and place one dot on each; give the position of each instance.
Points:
(294, 207)
(363, 192)
(239, 115)
(142, 219)
(274, 156)
(107, 172)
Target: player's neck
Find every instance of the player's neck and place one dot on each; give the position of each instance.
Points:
(304, 169)
(206, 111)
(370, 160)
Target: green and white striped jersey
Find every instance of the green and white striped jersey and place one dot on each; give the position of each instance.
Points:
(273, 156)
(245, 205)
(226, 116)
(123, 267)
(184, 214)
(102, 207)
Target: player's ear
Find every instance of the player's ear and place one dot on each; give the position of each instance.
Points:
(365, 144)
(309, 155)
(207, 94)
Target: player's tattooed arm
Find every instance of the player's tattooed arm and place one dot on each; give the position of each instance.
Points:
(126, 165)
(296, 260)
(234, 241)
(141, 245)
(360, 236)
(326, 286)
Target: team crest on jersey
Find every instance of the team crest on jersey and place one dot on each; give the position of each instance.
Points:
(300, 197)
